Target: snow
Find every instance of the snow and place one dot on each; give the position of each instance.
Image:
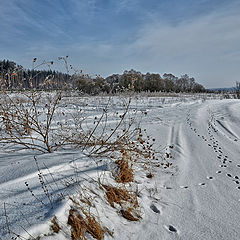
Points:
(198, 197)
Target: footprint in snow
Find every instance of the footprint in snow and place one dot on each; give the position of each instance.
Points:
(154, 208)
(210, 178)
(171, 228)
(223, 166)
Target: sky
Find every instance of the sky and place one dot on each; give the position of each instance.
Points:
(197, 37)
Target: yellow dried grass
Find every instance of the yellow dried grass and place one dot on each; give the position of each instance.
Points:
(80, 225)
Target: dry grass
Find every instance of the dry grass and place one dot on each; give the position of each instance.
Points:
(55, 226)
(129, 214)
(82, 223)
(120, 195)
(123, 197)
(125, 169)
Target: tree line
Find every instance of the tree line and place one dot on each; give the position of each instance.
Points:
(153, 82)
(13, 76)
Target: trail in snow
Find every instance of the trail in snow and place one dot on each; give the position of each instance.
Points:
(206, 188)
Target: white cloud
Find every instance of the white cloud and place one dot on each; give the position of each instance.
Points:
(207, 47)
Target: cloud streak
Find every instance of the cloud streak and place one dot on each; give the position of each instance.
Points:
(207, 47)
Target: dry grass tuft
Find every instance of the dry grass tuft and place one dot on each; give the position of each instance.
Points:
(125, 169)
(81, 224)
(55, 226)
(123, 197)
(118, 195)
(128, 214)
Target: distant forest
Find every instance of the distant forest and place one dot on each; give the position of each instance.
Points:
(15, 77)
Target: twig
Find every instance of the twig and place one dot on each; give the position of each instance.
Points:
(6, 218)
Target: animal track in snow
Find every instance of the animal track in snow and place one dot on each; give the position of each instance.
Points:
(171, 228)
(154, 208)
(223, 166)
(210, 178)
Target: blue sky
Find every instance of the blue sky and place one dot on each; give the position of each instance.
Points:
(198, 37)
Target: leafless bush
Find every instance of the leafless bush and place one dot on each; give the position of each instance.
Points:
(26, 120)
(41, 121)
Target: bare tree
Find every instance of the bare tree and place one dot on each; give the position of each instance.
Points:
(237, 89)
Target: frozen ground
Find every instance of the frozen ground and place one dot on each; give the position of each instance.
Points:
(198, 197)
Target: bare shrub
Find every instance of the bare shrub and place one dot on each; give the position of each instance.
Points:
(40, 121)
(26, 120)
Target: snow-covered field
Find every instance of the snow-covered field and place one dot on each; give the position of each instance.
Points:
(197, 197)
